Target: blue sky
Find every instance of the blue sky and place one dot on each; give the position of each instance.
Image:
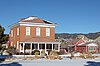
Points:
(72, 16)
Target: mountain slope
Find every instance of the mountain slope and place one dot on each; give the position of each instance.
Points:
(68, 36)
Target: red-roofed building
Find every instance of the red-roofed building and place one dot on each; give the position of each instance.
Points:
(80, 45)
(87, 47)
(33, 33)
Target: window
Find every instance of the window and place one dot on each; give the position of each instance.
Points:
(47, 31)
(35, 46)
(11, 33)
(27, 31)
(55, 46)
(27, 46)
(91, 49)
(17, 44)
(37, 31)
(17, 31)
(49, 46)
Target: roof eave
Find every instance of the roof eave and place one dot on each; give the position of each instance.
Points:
(38, 23)
(14, 25)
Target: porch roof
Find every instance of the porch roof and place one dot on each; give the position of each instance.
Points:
(88, 44)
(43, 42)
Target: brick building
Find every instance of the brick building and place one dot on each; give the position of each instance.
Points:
(33, 33)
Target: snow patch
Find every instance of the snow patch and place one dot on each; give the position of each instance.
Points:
(31, 18)
(92, 44)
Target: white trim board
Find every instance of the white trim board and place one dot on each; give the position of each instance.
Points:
(92, 44)
(43, 42)
(37, 25)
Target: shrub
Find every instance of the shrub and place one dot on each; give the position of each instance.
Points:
(36, 55)
(87, 55)
(36, 51)
(11, 50)
(43, 54)
(49, 51)
(53, 55)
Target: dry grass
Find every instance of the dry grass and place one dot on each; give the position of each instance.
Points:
(53, 55)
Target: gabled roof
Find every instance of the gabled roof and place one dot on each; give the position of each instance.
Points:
(88, 44)
(75, 41)
(33, 19)
(83, 37)
(80, 41)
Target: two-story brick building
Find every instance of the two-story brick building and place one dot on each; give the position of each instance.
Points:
(33, 33)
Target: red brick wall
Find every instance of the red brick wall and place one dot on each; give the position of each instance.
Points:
(15, 37)
(22, 34)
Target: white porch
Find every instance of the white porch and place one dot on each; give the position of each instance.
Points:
(30, 46)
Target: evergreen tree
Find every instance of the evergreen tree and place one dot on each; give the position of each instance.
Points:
(3, 37)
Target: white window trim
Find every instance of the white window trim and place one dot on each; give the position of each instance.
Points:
(38, 31)
(93, 49)
(27, 31)
(48, 32)
(17, 31)
(11, 33)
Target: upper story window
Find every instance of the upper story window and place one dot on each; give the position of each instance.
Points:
(27, 31)
(37, 31)
(17, 31)
(47, 31)
(11, 33)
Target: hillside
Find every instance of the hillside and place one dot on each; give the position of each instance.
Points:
(68, 36)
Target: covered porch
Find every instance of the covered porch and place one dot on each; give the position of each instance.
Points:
(30, 46)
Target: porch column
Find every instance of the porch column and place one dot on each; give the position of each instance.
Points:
(23, 47)
(38, 46)
(30, 48)
(45, 47)
(58, 47)
(20, 47)
(52, 46)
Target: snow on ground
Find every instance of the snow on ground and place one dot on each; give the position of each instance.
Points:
(44, 62)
